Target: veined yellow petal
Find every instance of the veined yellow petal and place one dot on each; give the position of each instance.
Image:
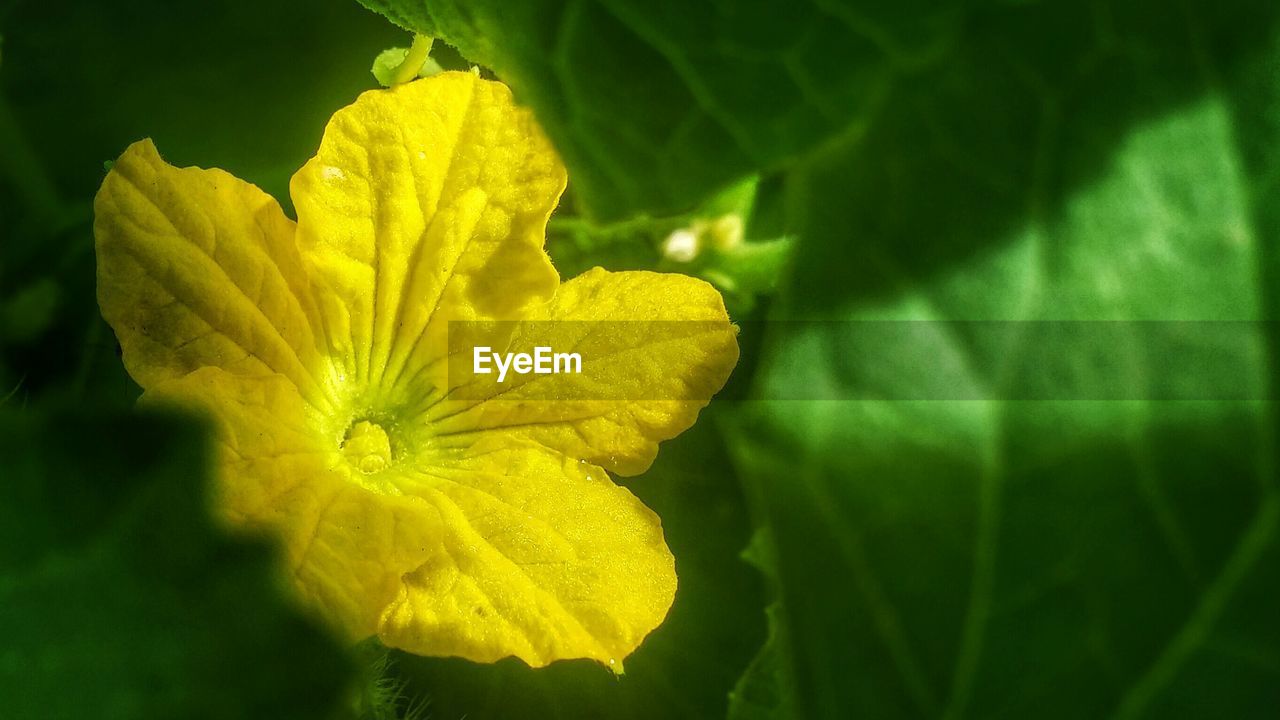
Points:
(426, 203)
(279, 470)
(657, 380)
(543, 558)
(481, 527)
(197, 268)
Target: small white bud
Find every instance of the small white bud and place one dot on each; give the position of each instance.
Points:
(681, 245)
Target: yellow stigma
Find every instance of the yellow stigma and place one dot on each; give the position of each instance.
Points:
(367, 447)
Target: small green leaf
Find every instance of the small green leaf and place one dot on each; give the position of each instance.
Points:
(394, 66)
(387, 65)
(765, 691)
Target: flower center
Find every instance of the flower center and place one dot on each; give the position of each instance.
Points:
(367, 447)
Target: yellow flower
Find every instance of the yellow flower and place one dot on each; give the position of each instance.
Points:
(482, 527)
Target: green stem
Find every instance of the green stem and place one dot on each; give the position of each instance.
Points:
(413, 60)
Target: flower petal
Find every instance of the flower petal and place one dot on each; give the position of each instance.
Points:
(657, 380)
(347, 543)
(197, 268)
(426, 202)
(544, 558)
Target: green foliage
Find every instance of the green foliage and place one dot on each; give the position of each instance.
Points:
(655, 105)
(122, 600)
(1012, 558)
(742, 267)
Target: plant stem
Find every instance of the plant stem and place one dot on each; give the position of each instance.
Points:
(413, 60)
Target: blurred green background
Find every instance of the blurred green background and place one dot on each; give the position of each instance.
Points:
(920, 161)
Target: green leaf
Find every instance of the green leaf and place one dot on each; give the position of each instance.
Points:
(122, 600)
(760, 693)
(1010, 555)
(655, 105)
(765, 690)
(400, 65)
(387, 65)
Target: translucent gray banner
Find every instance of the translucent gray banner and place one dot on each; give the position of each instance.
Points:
(867, 360)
